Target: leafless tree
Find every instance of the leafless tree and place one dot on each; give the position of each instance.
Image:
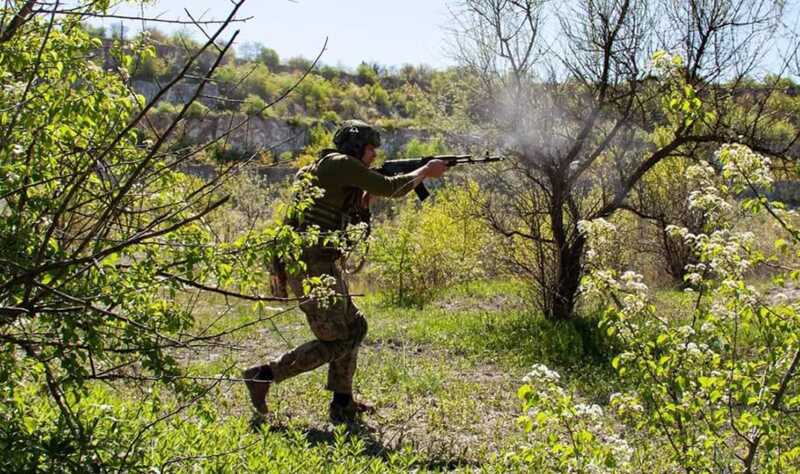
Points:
(569, 88)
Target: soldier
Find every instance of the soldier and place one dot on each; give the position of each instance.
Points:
(343, 174)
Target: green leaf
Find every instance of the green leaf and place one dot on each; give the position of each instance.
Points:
(706, 382)
(584, 437)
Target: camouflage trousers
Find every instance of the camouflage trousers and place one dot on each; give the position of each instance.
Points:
(338, 325)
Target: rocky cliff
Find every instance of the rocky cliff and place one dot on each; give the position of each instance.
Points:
(245, 135)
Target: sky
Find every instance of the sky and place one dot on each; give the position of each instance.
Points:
(388, 32)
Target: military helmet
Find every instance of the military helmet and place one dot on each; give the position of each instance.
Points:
(353, 135)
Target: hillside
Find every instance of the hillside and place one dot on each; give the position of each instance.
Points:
(411, 103)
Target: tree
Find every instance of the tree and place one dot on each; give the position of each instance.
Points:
(367, 74)
(100, 240)
(298, 63)
(269, 57)
(661, 199)
(715, 389)
(587, 111)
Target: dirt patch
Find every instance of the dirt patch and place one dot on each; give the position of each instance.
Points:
(458, 419)
(453, 411)
(492, 304)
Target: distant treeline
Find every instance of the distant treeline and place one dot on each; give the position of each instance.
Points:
(254, 75)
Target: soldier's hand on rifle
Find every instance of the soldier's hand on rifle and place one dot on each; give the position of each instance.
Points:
(434, 168)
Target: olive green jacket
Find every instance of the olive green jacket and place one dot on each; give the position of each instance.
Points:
(343, 180)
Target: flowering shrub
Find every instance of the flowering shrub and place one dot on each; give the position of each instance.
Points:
(571, 436)
(714, 390)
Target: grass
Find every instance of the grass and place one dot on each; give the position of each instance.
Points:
(492, 324)
(443, 378)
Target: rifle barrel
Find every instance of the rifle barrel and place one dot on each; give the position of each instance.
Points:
(406, 165)
(450, 158)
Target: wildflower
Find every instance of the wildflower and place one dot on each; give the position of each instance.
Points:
(589, 411)
(5, 211)
(540, 372)
(633, 282)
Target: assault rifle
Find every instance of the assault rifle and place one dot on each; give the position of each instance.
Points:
(395, 167)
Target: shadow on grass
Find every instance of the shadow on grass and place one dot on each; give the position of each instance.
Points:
(373, 447)
(530, 338)
(579, 348)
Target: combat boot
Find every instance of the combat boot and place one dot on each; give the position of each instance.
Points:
(349, 412)
(257, 384)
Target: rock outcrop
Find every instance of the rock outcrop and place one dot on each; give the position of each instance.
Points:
(246, 135)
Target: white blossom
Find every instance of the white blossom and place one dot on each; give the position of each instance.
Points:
(324, 293)
(625, 402)
(692, 348)
(693, 279)
(590, 411)
(541, 373)
(744, 167)
(633, 282)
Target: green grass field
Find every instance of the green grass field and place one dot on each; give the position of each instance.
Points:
(443, 378)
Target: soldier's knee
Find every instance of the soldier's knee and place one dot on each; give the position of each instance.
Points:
(362, 327)
(358, 329)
